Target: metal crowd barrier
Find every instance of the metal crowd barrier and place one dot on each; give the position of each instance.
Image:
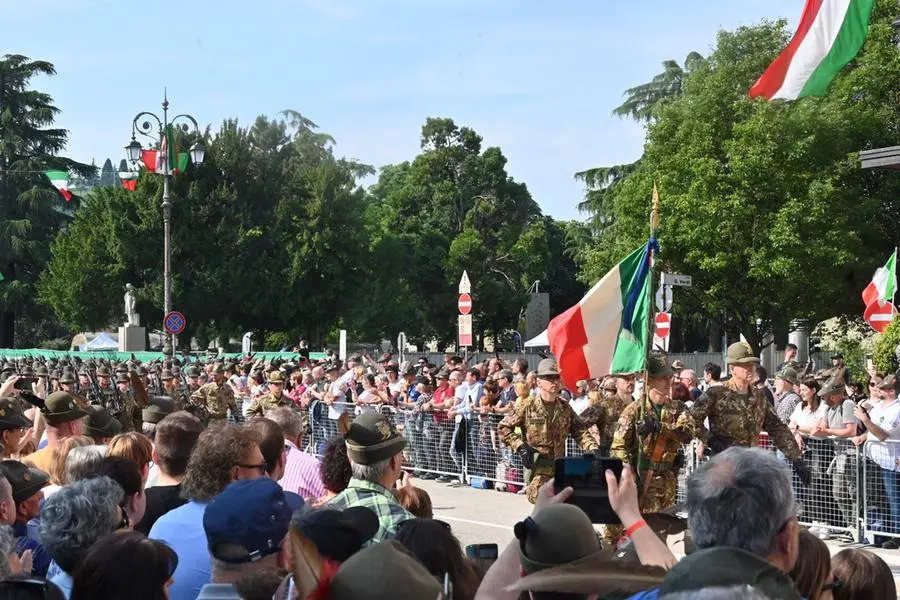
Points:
(852, 495)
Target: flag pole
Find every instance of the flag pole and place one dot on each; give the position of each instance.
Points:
(651, 274)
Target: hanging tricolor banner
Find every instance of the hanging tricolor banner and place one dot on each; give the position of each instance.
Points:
(830, 35)
(154, 160)
(606, 332)
(129, 180)
(60, 180)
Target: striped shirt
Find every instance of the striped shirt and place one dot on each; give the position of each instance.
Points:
(301, 473)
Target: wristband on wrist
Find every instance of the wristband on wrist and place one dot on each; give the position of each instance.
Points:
(634, 527)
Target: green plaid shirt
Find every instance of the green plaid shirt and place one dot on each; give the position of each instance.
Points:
(379, 500)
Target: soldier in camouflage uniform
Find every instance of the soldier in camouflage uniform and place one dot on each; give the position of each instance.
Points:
(273, 399)
(117, 403)
(605, 415)
(171, 389)
(217, 396)
(546, 421)
(738, 411)
(648, 438)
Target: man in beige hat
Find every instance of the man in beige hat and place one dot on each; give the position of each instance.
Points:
(546, 422)
(217, 396)
(273, 399)
(738, 412)
(648, 438)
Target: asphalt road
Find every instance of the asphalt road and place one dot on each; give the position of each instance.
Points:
(488, 516)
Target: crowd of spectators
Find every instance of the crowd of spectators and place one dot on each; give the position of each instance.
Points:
(263, 509)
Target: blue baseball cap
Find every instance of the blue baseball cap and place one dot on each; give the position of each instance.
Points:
(247, 521)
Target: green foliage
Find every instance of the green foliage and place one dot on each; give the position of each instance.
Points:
(455, 208)
(108, 175)
(267, 233)
(764, 203)
(643, 101)
(31, 210)
(885, 357)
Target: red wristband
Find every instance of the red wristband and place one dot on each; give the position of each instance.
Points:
(634, 527)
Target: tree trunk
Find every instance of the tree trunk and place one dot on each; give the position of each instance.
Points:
(7, 329)
(715, 337)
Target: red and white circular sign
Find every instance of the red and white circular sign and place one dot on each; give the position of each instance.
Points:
(663, 324)
(879, 315)
(464, 304)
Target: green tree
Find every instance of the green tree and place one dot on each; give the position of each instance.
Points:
(643, 101)
(31, 211)
(267, 235)
(451, 209)
(764, 203)
(108, 175)
(885, 356)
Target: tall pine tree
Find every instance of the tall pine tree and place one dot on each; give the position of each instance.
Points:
(31, 211)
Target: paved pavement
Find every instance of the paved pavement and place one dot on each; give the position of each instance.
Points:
(488, 516)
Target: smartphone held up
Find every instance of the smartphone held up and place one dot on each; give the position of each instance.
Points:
(586, 475)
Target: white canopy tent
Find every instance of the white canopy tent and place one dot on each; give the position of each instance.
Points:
(102, 343)
(539, 341)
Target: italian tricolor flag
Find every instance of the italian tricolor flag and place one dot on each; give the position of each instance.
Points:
(155, 160)
(606, 332)
(129, 180)
(60, 180)
(884, 282)
(830, 34)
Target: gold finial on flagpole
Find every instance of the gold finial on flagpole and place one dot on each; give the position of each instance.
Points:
(654, 212)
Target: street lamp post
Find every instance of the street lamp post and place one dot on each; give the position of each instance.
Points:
(143, 123)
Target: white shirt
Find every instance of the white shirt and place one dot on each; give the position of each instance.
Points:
(886, 417)
(579, 405)
(805, 418)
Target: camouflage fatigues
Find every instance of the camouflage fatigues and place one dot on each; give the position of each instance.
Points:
(656, 455)
(605, 416)
(267, 402)
(179, 397)
(216, 399)
(118, 404)
(546, 428)
(737, 419)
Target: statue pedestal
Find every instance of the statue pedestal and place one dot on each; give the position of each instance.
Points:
(132, 338)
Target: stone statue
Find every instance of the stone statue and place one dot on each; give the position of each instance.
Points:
(132, 318)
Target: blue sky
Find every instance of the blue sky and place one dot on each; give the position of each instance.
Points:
(537, 78)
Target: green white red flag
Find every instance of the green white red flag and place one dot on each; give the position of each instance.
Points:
(155, 160)
(830, 35)
(60, 180)
(884, 282)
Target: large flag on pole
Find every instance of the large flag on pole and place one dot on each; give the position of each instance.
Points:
(830, 34)
(884, 282)
(606, 332)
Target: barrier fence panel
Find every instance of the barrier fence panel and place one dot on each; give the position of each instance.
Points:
(854, 493)
(881, 490)
(429, 438)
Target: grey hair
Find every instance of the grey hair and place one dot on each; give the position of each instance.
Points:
(733, 592)
(7, 545)
(741, 498)
(81, 462)
(373, 473)
(288, 419)
(148, 429)
(78, 515)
